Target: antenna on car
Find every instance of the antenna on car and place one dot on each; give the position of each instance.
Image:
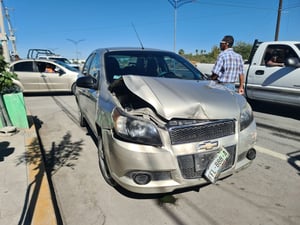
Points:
(137, 36)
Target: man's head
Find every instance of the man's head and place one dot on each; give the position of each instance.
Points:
(227, 42)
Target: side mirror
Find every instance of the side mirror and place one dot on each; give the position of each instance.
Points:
(292, 62)
(60, 71)
(86, 82)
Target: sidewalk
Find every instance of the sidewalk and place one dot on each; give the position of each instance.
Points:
(24, 189)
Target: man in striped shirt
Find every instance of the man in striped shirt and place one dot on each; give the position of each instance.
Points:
(229, 66)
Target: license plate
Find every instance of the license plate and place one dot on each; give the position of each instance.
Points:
(214, 169)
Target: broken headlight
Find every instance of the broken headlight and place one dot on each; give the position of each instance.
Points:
(246, 117)
(135, 129)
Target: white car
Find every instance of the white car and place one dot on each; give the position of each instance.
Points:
(33, 76)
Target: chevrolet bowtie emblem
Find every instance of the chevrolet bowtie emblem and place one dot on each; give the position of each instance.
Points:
(207, 145)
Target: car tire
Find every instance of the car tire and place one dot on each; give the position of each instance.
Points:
(82, 122)
(103, 165)
(73, 88)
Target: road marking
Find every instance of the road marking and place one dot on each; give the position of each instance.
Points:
(277, 155)
(271, 153)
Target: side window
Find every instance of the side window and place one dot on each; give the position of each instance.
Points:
(94, 67)
(23, 66)
(179, 69)
(87, 64)
(42, 67)
(278, 52)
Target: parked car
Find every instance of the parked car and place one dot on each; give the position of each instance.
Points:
(37, 53)
(160, 124)
(33, 76)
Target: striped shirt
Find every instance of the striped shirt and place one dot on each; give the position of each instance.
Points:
(229, 66)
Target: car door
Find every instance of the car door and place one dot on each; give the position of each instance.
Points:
(27, 75)
(275, 83)
(88, 97)
(52, 80)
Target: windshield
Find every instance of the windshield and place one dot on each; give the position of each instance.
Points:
(149, 63)
(66, 65)
(298, 46)
(60, 59)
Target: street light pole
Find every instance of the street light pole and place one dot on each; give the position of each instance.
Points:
(76, 45)
(176, 4)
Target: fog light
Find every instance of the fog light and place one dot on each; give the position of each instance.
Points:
(142, 178)
(251, 154)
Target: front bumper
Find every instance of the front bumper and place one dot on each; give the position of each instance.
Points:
(172, 167)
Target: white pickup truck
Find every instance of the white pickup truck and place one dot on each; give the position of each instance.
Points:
(279, 84)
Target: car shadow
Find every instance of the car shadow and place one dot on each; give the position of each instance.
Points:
(288, 111)
(37, 94)
(161, 197)
(294, 157)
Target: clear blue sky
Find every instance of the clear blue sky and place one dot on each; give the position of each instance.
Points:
(106, 23)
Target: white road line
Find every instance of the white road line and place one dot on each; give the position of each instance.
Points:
(275, 154)
(271, 153)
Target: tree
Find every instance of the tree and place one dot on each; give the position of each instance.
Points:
(243, 48)
(181, 52)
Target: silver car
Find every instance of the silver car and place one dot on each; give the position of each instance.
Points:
(160, 124)
(34, 76)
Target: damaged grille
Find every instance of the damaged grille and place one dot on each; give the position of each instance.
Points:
(201, 131)
(193, 166)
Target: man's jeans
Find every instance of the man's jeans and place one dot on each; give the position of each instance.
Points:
(230, 86)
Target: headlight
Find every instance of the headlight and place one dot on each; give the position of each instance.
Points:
(246, 117)
(135, 129)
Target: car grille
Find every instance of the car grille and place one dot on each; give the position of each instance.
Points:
(193, 166)
(201, 131)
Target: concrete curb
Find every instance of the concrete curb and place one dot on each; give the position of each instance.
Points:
(40, 204)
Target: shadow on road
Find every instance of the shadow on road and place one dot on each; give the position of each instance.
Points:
(5, 150)
(62, 154)
(294, 157)
(292, 112)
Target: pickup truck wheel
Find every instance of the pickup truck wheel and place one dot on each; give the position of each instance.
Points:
(103, 165)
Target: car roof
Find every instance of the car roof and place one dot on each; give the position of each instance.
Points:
(59, 64)
(115, 49)
(32, 60)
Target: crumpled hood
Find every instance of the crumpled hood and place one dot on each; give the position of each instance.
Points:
(188, 99)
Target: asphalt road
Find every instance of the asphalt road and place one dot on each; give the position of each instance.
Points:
(265, 193)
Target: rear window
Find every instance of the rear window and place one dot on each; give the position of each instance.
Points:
(23, 67)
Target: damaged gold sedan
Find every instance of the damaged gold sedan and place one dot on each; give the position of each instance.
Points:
(161, 125)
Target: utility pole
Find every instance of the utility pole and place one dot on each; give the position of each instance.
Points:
(12, 36)
(3, 37)
(278, 20)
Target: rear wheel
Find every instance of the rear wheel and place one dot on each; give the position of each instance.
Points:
(103, 165)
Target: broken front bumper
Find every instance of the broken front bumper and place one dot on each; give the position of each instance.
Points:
(147, 169)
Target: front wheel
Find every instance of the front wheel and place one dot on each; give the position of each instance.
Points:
(73, 88)
(103, 165)
(81, 119)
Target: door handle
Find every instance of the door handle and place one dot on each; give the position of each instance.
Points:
(259, 72)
